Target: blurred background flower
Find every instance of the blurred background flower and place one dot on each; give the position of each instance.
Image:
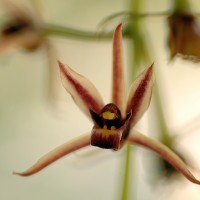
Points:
(184, 36)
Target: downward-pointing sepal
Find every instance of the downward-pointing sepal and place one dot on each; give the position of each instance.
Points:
(57, 153)
(137, 138)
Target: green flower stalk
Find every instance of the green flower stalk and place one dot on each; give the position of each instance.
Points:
(181, 6)
(27, 32)
(139, 57)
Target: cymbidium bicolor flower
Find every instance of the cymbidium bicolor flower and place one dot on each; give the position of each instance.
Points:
(184, 38)
(114, 122)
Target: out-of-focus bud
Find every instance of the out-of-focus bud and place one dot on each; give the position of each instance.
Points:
(184, 35)
(20, 31)
(184, 38)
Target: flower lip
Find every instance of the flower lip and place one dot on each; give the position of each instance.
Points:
(109, 138)
(110, 128)
(105, 138)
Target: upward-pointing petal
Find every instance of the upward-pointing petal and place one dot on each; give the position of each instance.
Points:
(118, 88)
(83, 92)
(137, 138)
(140, 95)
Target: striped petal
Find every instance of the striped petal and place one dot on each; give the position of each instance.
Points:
(57, 153)
(140, 95)
(118, 88)
(83, 92)
(167, 154)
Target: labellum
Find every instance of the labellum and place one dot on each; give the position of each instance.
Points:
(110, 129)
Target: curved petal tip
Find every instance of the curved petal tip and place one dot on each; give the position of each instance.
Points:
(57, 153)
(137, 138)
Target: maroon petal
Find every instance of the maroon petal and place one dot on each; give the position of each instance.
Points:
(140, 95)
(167, 154)
(56, 154)
(118, 90)
(83, 92)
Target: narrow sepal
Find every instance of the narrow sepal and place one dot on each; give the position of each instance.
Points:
(118, 87)
(56, 154)
(137, 138)
(140, 95)
(83, 92)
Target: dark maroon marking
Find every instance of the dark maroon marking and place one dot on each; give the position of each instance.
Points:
(117, 122)
(97, 118)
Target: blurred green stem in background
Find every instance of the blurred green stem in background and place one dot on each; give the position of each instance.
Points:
(164, 136)
(141, 57)
(56, 30)
(61, 31)
(180, 6)
(136, 53)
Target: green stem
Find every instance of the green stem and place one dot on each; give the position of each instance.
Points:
(134, 36)
(126, 180)
(181, 5)
(133, 16)
(164, 132)
(49, 29)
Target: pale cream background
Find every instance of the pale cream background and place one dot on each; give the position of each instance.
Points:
(30, 126)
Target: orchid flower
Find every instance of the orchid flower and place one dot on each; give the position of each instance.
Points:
(114, 122)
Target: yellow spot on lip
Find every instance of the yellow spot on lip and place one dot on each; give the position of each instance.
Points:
(108, 115)
(105, 127)
(107, 132)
